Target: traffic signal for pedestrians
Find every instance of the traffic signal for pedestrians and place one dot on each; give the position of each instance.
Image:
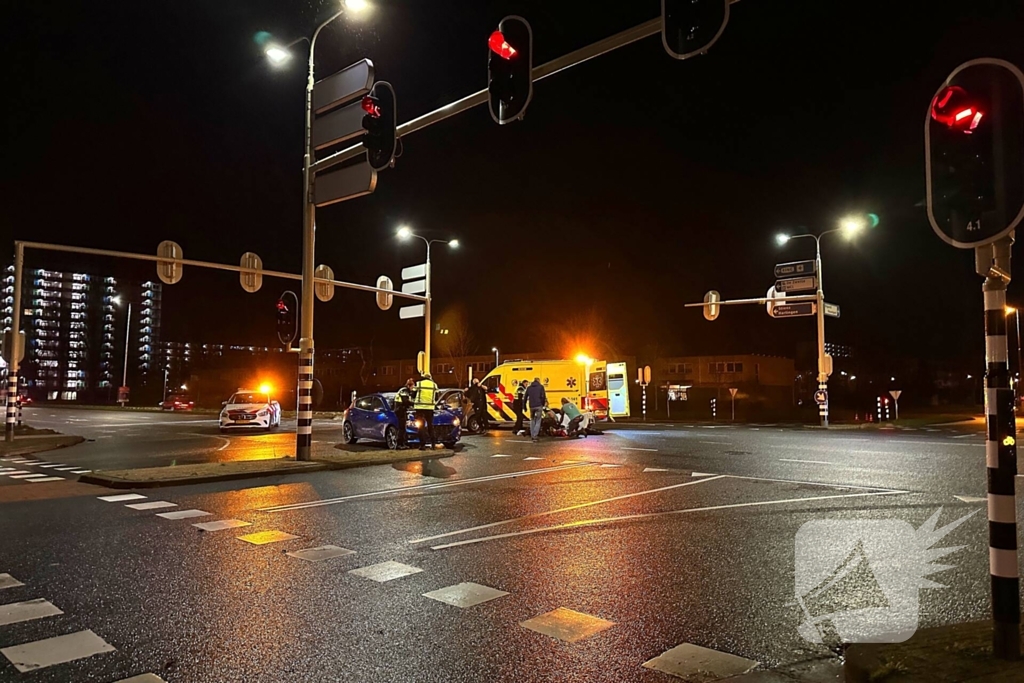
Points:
(509, 69)
(287, 309)
(690, 27)
(380, 122)
(974, 147)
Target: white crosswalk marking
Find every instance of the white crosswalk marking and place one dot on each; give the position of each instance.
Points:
(8, 581)
(17, 612)
(44, 479)
(27, 476)
(183, 514)
(152, 505)
(122, 497)
(42, 653)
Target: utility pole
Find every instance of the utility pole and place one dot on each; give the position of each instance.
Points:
(127, 336)
(823, 361)
(15, 359)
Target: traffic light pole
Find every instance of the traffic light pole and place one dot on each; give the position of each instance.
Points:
(14, 362)
(822, 373)
(993, 263)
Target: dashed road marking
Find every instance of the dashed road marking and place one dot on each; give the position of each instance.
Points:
(27, 476)
(183, 514)
(686, 661)
(465, 594)
(812, 462)
(152, 505)
(264, 537)
(567, 625)
(532, 457)
(655, 469)
(8, 474)
(608, 465)
(67, 469)
(44, 479)
(221, 524)
(652, 450)
(121, 497)
(701, 474)
(500, 455)
(971, 499)
(46, 467)
(42, 653)
(321, 553)
(16, 612)
(385, 571)
(8, 581)
(80, 471)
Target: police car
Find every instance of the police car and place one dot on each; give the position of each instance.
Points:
(249, 409)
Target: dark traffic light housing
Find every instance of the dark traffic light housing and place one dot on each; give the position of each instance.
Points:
(287, 310)
(974, 153)
(510, 69)
(690, 27)
(380, 122)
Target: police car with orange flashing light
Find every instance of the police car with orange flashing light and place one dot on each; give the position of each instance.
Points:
(250, 409)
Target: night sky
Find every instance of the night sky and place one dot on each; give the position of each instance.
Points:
(635, 184)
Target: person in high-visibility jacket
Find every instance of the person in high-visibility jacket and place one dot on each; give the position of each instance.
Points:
(424, 403)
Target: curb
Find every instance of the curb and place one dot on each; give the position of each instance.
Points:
(34, 448)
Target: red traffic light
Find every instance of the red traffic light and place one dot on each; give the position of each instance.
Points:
(954, 108)
(371, 107)
(282, 307)
(500, 46)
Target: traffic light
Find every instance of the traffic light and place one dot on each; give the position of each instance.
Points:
(380, 121)
(287, 317)
(509, 69)
(690, 27)
(974, 153)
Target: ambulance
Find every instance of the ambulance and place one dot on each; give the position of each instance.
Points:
(591, 384)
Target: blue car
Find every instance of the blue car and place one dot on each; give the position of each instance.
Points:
(373, 417)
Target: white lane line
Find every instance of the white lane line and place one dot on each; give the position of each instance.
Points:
(221, 524)
(17, 612)
(40, 481)
(52, 464)
(532, 457)
(500, 455)
(936, 443)
(425, 487)
(971, 499)
(959, 436)
(80, 471)
(812, 462)
(42, 653)
(28, 476)
(11, 474)
(183, 514)
(717, 443)
(121, 497)
(67, 469)
(701, 474)
(817, 483)
(579, 506)
(655, 469)
(152, 505)
(8, 581)
(627, 448)
(653, 515)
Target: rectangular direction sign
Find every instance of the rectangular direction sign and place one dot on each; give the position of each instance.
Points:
(793, 310)
(338, 126)
(343, 86)
(348, 183)
(795, 268)
(808, 283)
(414, 272)
(832, 310)
(417, 311)
(414, 287)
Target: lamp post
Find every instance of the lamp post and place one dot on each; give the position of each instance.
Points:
(850, 227)
(127, 335)
(279, 55)
(1015, 312)
(404, 233)
(497, 362)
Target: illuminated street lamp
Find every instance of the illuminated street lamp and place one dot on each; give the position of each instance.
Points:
(496, 361)
(850, 226)
(404, 233)
(127, 333)
(279, 55)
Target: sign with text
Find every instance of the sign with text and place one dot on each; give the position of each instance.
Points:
(832, 310)
(797, 284)
(793, 310)
(795, 268)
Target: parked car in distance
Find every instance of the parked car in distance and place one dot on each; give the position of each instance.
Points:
(373, 417)
(178, 402)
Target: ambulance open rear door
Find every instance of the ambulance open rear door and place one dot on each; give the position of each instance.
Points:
(618, 390)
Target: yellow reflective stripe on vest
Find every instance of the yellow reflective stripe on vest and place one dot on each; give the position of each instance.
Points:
(426, 391)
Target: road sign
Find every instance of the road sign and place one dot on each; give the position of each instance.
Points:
(384, 301)
(169, 273)
(348, 183)
(341, 87)
(824, 367)
(895, 393)
(414, 272)
(407, 312)
(832, 310)
(122, 394)
(821, 397)
(414, 287)
(807, 283)
(711, 308)
(772, 295)
(689, 27)
(732, 392)
(8, 347)
(799, 310)
(252, 277)
(338, 126)
(323, 290)
(795, 268)
(647, 374)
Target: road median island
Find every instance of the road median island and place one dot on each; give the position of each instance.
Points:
(37, 443)
(945, 654)
(344, 456)
(178, 475)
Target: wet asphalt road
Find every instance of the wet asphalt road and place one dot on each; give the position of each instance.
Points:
(699, 548)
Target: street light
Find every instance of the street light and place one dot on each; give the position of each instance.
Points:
(127, 333)
(404, 233)
(278, 55)
(850, 226)
(496, 361)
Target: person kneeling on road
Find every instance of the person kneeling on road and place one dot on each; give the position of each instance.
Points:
(571, 417)
(537, 400)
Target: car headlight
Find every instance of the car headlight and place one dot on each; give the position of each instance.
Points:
(262, 413)
(455, 422)
(419, 423)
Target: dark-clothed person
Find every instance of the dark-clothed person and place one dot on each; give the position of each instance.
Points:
(403, 402)
(519, 406)
(537, 400)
